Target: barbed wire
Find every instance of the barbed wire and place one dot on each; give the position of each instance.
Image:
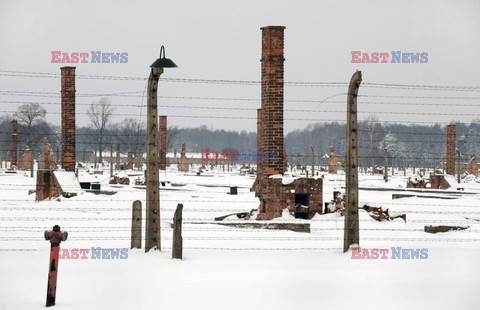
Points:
(235, 238)
(242, 230)
(246, 82)
(248, 99)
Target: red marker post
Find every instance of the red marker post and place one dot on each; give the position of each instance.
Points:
(56, 236)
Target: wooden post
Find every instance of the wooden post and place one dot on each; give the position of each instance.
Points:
(459, 168)
(111, 160)
(136, 241)
(140, 159)
(177, 248)
(393, 166)
(351, 228)
(152, 229)
(385, 177)
(117, 167)
(95, 159)
(313, 162)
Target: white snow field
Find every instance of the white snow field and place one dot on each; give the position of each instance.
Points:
(238, 268)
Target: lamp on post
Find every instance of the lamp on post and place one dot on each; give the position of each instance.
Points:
(152, 227)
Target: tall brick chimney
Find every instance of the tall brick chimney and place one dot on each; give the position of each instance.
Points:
(129, 161)
(451, 134)
(68, 118)
(272, 98)
(163, 143)
(13, 146)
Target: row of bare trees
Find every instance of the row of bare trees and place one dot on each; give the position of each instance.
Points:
(96, 137)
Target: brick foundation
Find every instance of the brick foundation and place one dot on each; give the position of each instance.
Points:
(68, 117)
(451, 134)
(13, 144)
(163, 143)
(303, 192)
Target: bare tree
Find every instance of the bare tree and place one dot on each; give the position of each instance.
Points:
(30, 114)
(370, 129)
(172, 135)
(100, 114)
(133, 134)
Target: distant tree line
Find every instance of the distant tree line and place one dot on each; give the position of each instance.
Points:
(411, 145)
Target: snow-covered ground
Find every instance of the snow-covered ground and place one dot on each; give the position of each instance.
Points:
(238, 268)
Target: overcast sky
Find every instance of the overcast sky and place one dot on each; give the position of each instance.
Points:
(222, 40)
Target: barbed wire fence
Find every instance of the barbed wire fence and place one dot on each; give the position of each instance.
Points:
(195, 222)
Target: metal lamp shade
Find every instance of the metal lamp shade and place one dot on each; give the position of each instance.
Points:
(163, 62)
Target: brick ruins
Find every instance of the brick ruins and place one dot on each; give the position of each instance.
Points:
(47, 185)
(472, 166)
(183, 159)
(438, 182)
(302, 196)
(25, 161)
(333, 162)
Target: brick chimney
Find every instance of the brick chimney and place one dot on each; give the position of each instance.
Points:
(272, 98)
(163, 142)
(68, 118)
(13, 146)
(451, 134)
(129, 161)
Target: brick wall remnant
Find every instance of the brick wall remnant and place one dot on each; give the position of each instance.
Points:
(438, 182)
(183, 159)
(68, 117)
(25, 161)
(472, 165)
(451, 134)
(333, 161)
(47, 186)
